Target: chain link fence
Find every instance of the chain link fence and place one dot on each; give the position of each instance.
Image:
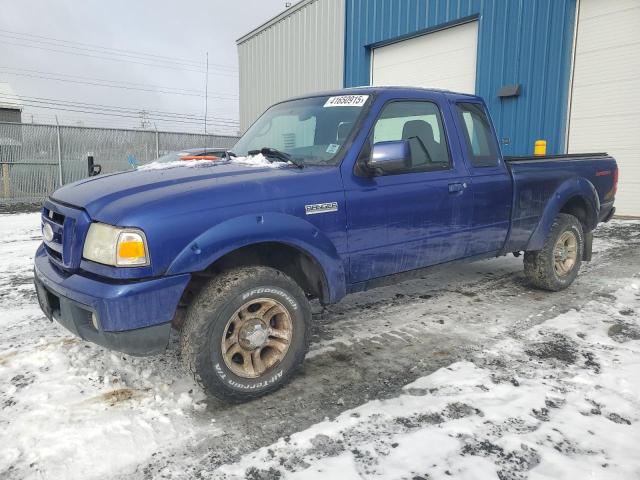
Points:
(37, 159)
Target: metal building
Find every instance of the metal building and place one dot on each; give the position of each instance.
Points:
(10, 106)
(299, 51)
(565, 71)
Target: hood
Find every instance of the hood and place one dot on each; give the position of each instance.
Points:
(109, 198)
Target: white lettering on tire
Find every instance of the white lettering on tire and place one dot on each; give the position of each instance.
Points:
(220, 372)
(251, 386)
(262, 290)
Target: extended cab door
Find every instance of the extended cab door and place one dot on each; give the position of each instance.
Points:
(414, 217)
(491, 186)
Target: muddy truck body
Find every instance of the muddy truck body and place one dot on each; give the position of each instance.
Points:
(324, 195)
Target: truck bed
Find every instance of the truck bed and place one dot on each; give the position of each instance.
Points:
(536, 179)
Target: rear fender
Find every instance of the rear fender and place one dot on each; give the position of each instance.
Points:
(247, 230)
(575, 187)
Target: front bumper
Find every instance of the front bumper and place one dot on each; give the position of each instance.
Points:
(131, 317)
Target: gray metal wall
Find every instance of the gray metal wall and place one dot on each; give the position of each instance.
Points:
(37, 159)
(297, 52)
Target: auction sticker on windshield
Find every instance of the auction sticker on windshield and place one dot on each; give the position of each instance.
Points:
(346, 101)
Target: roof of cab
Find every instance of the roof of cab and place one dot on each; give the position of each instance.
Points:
(364, 90)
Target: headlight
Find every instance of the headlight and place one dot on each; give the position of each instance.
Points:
(120, 247)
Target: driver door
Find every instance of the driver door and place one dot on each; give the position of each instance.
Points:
(415, 217)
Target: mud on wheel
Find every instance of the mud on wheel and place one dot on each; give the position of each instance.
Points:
(246, 333)
(556, 265)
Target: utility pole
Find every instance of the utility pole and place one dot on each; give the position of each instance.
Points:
(144, 119)
(206, 96)
(60, 177)
(157, 140)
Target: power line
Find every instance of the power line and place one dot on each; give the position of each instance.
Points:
(101, 113)
(103, 52)
(116, 83)
(90, 118)
(72, 120)
(120, 51)
(39, 118)
(103, 80)
(113, 108)
(100, 83)
(171, 67)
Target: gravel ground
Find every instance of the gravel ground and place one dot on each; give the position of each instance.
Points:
(74, 410)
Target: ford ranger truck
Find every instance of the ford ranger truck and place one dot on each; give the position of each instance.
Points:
(324, 195)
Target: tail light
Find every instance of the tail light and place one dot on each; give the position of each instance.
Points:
(612, 193)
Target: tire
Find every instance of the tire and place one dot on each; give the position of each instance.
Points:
(243, 305)
(540, 266)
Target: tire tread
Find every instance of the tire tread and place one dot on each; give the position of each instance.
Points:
(212, 297)
(538, 264)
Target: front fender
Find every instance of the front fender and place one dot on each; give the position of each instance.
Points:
(574, 187)
(246, 230)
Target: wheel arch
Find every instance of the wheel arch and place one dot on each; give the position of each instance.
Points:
(281, 241)
(289, 259)
(577, 197)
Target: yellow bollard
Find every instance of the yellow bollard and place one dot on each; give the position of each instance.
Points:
(540, 148)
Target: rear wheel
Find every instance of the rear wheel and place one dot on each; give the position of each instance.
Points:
(246, 333)
(556, 265)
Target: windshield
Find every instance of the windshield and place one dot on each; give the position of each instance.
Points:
(310, 130)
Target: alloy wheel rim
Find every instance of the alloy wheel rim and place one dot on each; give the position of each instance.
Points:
(565, 254)
(257, 337)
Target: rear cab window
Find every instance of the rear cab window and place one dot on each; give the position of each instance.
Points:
(481, 145)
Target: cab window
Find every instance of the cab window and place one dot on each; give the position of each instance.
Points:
(420, 123)
(480, 141)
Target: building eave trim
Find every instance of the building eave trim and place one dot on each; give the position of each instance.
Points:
(278, 18)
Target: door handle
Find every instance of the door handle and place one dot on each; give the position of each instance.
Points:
(457, 187)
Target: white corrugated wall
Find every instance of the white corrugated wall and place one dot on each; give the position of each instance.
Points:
(606, 91)
(300, 51)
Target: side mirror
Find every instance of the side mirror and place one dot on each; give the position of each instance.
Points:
(391, 156)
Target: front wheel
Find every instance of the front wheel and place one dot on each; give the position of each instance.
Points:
(246, 333)
(556, 265)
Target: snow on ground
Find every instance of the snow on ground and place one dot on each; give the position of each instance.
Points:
(561, 401)
(65, 405)
(510, 384)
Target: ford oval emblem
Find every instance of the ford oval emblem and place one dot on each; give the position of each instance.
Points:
(47, 232)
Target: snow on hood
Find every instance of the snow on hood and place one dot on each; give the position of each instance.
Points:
(258, 160)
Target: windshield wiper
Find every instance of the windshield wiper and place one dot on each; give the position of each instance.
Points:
(272, 154)
(231, 154)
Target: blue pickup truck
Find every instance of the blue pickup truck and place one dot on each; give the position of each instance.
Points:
(324, 195)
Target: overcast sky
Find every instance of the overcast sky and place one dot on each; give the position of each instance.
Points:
(145, 32)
